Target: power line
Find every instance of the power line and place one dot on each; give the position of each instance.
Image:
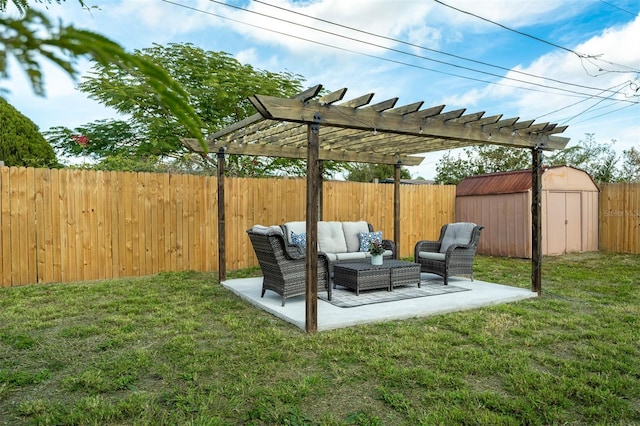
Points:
(579, 55)
(387, 48)
(619, 8)
(620, 86)
(567, 92)
(404, 43)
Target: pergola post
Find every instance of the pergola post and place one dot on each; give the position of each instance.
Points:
(320, 189)
(536, 221)
(311, 276)
(396, 206)
(222, 261)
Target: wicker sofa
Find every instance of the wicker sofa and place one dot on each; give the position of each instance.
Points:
(341, 241)
(283, 265)
(453, 253)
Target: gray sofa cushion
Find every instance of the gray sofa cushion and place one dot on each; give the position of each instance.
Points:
(331, 237)
(351, 231)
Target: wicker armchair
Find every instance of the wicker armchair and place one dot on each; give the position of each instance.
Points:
(283, 266)
(452, 254)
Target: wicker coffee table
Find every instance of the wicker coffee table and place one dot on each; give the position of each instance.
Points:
(365, 276)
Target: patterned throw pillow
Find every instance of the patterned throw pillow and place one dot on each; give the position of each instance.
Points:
(367, 238)
(299, 239)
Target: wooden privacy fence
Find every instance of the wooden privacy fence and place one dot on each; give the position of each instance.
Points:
(76, 225)
(620, 218)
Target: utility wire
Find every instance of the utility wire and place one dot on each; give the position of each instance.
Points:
(418, 47)
(390, 49)
(586, 110)
(619, 8)
(606, 113)
(579, 55)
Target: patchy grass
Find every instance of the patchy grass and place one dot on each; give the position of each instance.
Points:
(177, 348)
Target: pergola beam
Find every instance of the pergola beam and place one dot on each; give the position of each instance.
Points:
(371, 120)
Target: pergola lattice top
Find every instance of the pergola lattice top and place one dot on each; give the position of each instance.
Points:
(358, 131)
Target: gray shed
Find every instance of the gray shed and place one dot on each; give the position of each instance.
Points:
(501, 202)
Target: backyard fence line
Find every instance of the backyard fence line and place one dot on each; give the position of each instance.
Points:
(67, 225)
(620, 218)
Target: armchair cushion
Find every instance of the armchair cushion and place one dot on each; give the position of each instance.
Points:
(431, 255)
(267, 230)
(457, 233)
(367, 238)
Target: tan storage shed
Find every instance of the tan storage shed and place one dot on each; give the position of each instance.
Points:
(501, 202)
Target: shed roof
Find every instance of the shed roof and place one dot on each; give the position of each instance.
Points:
(506, 182)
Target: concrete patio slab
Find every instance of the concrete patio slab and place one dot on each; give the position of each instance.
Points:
(331, 317)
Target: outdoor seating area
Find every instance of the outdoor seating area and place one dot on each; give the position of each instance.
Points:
(352, 290)
(281, 252)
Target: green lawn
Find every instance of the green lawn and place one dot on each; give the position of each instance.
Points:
(177, 348)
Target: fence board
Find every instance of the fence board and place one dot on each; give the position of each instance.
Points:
(5, 237)
(620, 218)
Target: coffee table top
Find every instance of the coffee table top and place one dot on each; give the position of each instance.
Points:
(366, 264)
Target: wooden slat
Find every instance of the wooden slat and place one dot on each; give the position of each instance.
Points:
(5, 228)
(178, 184)
(125, 268)
(153, 257)
(382, 106)
(30, 264)
(18, 250)
(333, 97)
(358, 102)
(40, 225)
(117, 221)
(56, 229)
(162, 236)
(105, 221)
(406, 109)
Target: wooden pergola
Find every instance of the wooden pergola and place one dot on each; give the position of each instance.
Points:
(324, 127)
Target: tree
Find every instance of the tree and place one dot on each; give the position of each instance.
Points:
(20, 142)
(479, 160)
(33, 38)
(597, 159)
(218, 86)
(366, 172)
(630, 166)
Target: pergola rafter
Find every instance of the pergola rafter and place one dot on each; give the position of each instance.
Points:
(324, 127)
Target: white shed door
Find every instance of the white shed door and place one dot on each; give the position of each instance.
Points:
(564, 216)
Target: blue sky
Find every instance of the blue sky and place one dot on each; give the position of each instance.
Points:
(582, 56)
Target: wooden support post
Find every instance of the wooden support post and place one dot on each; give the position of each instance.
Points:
(222, 260)
(396, 207)
(320, 189)
(311, 276)
(536, 221)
